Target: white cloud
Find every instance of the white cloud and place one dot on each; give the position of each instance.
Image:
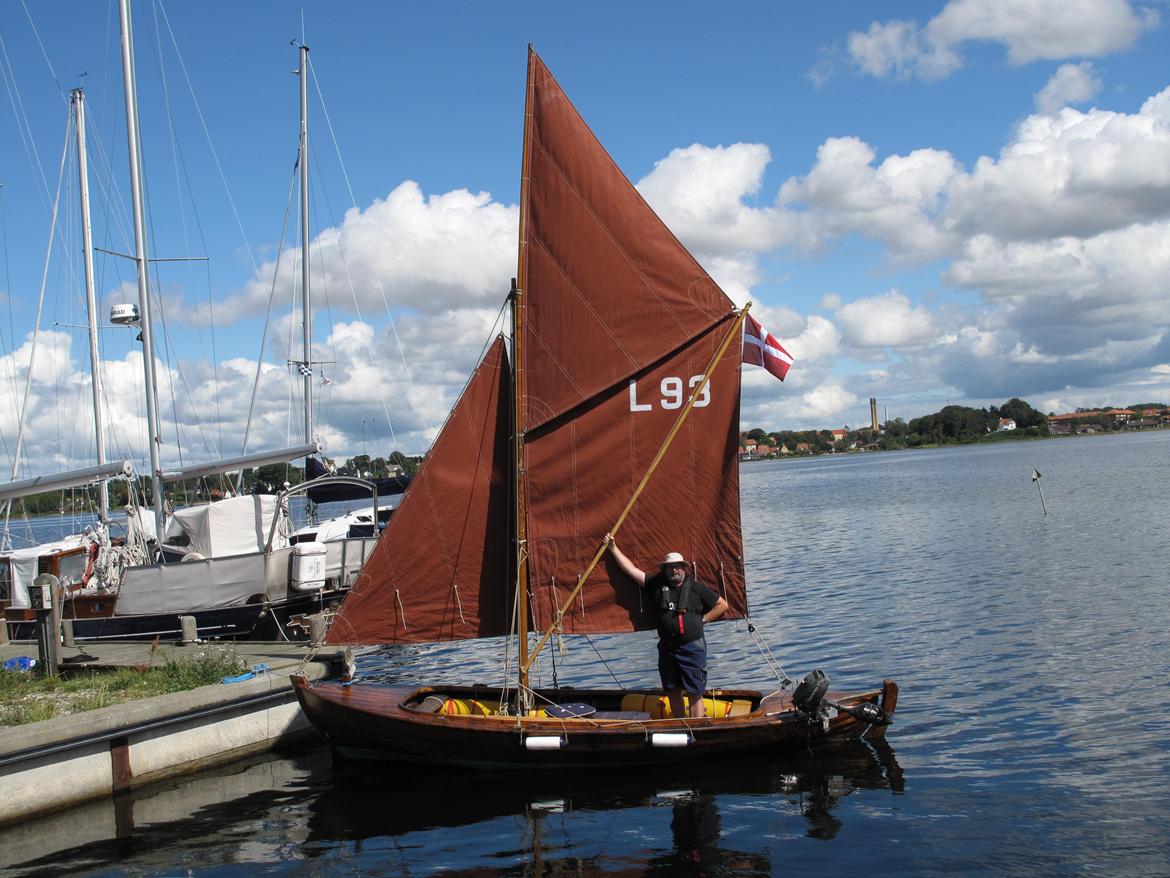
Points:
(1069, 174)
(404, 251)
(1033, 30)
(1030, 30)
(895, 201)
(816, 343)
(889, 320)
(700, 192)
(1070, 84)
(900, 49)
(1158, 107)
(822, 404)
(1112, 285)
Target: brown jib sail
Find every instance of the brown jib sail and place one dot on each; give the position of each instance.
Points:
(441, 570)
(619, 324)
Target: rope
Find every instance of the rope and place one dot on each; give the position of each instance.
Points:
(276, 623)
(773, 664)
(402, 611)
(603, 661)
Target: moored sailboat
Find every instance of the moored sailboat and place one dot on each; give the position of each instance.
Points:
(230, 563)
(617, 410)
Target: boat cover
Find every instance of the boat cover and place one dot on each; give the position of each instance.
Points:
(235, 526)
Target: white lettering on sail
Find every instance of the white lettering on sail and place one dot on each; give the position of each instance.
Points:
(672, 394)
(705, 396)
(634, 405)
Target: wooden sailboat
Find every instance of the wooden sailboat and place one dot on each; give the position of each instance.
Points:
(619, 410)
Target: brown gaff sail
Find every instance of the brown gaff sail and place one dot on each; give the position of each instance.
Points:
(619, 324)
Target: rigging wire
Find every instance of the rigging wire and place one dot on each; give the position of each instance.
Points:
(9, 362)
(22, 122)
(207, 135)
(178, 160)
(268, 313)
(40, 307)
(41, 45)
(377, 273)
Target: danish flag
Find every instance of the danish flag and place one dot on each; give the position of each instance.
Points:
(760, 348)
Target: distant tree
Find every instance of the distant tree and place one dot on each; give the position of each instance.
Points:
(276, 474)
(1023, 414)
(399, 459)
(954, 423)
(896, 428)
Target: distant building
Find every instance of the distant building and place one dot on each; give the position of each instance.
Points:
(840, 439)
(1081, 421)
(1006, 424)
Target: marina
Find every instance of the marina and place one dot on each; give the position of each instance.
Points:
(1015, 750)
(641, 609)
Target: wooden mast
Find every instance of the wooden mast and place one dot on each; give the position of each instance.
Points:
(519, 289)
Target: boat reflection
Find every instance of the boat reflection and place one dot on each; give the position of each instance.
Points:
(280, 811)
(383, 800)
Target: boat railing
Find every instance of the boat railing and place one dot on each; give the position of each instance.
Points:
(284, 496)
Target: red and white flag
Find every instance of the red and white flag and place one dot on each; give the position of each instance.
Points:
(760, 348)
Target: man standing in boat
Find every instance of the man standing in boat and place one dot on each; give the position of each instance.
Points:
(684, 605)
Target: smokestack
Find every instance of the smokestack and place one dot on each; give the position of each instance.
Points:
(873, 414)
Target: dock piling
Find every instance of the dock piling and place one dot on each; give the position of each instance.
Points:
(190, 629)
(317, 626)
(67, 633)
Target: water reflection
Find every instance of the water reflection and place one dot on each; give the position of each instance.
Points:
(211, 818)
(367, 803)
(316, 808)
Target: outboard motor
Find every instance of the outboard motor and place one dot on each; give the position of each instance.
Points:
(811, 692)
(809, 698)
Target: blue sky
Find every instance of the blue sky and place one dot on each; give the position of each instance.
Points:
(929, 202)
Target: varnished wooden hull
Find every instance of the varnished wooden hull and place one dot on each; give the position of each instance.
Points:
(373, 721)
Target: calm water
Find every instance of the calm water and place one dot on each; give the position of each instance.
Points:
(1031, 737)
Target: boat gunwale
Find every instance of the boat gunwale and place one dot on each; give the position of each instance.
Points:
(393, 704)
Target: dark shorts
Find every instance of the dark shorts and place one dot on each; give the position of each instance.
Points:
(684, 667)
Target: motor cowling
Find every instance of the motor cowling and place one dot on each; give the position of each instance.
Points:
(811, 692)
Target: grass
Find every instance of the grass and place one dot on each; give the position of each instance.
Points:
(30, 698)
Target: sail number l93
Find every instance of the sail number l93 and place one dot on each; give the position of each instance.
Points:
(672, 394)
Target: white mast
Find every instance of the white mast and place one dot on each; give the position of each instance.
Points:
(91, 301)
(143, 265)
(306, 308)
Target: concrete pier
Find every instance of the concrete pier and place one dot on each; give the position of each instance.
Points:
(68, 760)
